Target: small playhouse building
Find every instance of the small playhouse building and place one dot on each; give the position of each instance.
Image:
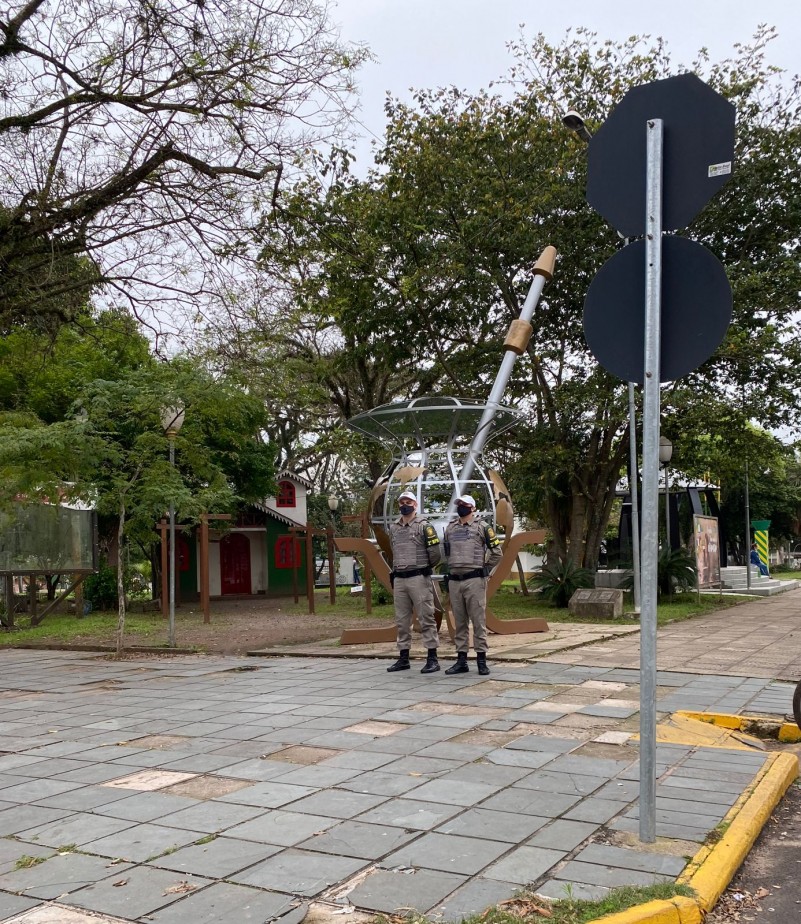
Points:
(253, 554)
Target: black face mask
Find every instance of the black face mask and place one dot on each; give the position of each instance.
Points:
(406, 509)
(463, 510)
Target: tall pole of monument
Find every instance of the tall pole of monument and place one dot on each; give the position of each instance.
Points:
(650, 478)
(515, 345)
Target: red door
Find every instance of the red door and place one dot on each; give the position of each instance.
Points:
(235, 564)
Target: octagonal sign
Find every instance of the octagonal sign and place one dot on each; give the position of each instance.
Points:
(698, 150)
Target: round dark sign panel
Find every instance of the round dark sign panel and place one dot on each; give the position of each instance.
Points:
(696, 309)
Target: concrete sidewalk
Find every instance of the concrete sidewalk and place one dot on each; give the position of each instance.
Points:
(194, 789)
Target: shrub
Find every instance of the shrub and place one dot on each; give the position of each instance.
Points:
(100, 588)
(676, 569)
(560, 581)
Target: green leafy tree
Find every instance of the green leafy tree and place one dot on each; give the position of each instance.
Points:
(410, 277)
(138, 136)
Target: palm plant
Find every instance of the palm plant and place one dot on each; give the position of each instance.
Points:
(558, 582)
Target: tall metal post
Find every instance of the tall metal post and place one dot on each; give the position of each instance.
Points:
(747, 536)
(635, 500)
(171, 624)
(650, 478)
(668, 544)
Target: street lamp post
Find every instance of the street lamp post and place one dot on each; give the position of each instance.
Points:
(665, 455)
(172, 419)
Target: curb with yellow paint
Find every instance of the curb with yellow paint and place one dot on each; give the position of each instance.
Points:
(786, 732)
(713, 867)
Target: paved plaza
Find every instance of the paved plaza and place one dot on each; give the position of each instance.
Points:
(199, 789)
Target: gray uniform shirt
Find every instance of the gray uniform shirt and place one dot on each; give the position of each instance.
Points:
(414, 544)
(471, 545)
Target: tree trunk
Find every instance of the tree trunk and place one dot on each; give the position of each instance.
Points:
(120, 578)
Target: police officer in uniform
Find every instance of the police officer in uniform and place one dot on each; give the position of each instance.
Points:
(472, 550)
(415, 551)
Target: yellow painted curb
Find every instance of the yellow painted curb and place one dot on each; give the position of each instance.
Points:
(678, 910)
(786, 732)
(712, 867)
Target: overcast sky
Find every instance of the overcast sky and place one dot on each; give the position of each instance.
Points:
(430, 43)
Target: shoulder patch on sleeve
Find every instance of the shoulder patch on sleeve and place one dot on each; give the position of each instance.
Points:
(491, 538)
(431, 536)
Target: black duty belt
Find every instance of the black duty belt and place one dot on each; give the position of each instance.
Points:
(479, 572)
(415, 572)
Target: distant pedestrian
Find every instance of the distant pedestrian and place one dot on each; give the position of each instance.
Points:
(756, 560)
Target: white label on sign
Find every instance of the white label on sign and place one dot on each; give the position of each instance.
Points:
(720, 169)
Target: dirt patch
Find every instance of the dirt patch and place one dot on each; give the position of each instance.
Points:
(236, 627)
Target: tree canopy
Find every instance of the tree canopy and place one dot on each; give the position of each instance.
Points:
(404, 283)
(140, 137)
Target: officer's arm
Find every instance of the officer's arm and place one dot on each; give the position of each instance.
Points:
(494, 552)
(433, 548)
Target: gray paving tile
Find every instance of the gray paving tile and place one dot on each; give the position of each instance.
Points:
(530, 802)
(563, 834)
(225, 901)
(282, 828)
(22, 817)
(595, 810)
(589, 766)
(644, 861)
(510, 827)
(544, 743)
(556, 889)
(359, 839)
(217, 858)
(140, 890)
(271, 794)
(15, 904)
(60, 874)
(473, 898)
(448, 852)
(394, 891)
(381, 783)
(76, 829)
(453, 792)
(566, 783)
(609, 876)
(410, 813)
(524, 864)
(211, 816)
(299, 872)
(505, 757)
(140, 843)
(338, 803)
(144, 806)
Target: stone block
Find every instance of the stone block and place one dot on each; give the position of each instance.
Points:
(600, 602)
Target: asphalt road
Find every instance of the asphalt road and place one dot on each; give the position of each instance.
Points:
(766, 889)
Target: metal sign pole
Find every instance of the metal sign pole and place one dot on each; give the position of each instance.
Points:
(650, 479)
(634, 487)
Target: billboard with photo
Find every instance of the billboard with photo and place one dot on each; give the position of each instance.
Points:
(707, 551)
(47, 539)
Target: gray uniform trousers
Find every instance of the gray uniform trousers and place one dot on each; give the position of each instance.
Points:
(469, 604)
(415, 594)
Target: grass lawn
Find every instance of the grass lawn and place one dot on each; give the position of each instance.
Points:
(150, 629)
(510, 603)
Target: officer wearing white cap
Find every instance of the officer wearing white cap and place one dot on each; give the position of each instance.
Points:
(415, 551)
(472, 551)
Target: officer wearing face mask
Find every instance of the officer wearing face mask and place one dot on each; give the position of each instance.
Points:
(472, 551)
(415, 551)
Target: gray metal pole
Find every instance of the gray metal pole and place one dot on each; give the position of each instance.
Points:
(650, 480)
(747, 532)
(171, 623)
(635, 500)
(668, 544)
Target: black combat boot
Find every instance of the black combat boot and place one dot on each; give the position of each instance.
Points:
(402, 664)
(431, 664)
(461, 664)
(481, 661)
